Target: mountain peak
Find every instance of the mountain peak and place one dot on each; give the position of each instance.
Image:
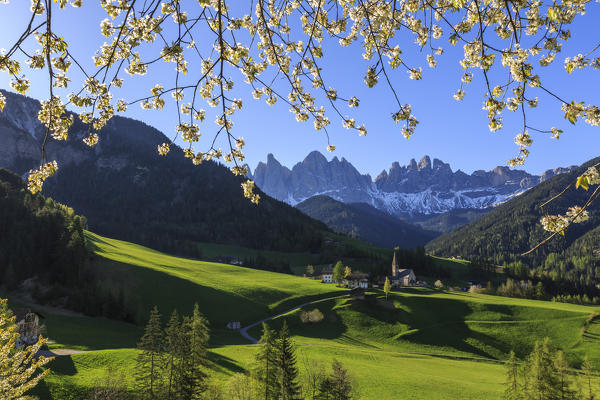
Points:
(440, 165)
(315, 156)
(425, 163)
(271, 160)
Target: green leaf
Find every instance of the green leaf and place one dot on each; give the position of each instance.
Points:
(582, 181)
(553, 14)
(569, 67)
(458, 4)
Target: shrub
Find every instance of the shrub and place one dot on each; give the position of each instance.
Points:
(313, 316)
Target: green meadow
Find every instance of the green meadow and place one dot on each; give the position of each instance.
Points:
(377, 374)
(450, 323)
(417, 344)
(224, 292)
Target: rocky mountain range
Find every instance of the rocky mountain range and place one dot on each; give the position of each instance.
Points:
(426, 187)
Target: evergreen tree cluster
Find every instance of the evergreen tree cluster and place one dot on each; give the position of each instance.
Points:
(565, 288)
(43, 253)
(172, 362)
(38, 237)
(276, 376)
(545, 375)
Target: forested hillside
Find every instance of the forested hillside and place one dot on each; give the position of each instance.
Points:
(38, 237)
(513, 228)
(363, 221)
(126, 190)
(448, 221)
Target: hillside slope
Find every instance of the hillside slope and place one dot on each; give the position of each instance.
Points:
(224, 292)
(126, 190)
(363, 221)
(448, 221)
(512, 228)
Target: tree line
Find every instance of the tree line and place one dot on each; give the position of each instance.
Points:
(43, 252)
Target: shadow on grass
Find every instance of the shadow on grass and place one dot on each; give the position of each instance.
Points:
(63, 365)
(144, 288)
(417, 291)
(421, 320)
(331, 327)
(441, 322)
(224, 364)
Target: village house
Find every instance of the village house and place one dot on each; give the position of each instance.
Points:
(357, 279)
(28, 326)
(401, 276)
(327, 274)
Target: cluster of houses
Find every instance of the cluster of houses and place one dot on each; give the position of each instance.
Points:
(357, 279)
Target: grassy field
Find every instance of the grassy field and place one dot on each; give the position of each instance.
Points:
(450, 323)
(378, 374)
(418, 344)
(224, 292)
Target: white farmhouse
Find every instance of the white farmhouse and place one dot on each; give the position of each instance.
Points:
(327, 274)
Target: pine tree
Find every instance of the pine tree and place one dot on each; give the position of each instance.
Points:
(191, 378)
(586, 380)
(172, 346)
(562, 368)
(336, 386)
(199, 337)
(150, 360)
(543, 383)
(513, 390)
(183, 381)
(265, 365)
(287, 373)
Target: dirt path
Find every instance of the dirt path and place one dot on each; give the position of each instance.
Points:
(244, 331)
(60, 352)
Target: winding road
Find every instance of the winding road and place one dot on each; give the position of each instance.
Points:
(244, 331)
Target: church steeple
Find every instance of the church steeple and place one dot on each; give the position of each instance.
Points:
(394, 266)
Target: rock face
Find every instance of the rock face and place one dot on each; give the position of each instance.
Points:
(315, 175)
(21, 136)
(424, 187)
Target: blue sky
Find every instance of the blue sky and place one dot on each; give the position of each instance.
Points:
(455, 132)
